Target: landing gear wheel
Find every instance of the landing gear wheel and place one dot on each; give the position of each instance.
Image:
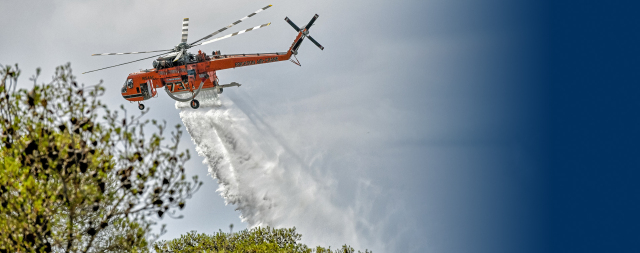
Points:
(141, 107)
(195, 104)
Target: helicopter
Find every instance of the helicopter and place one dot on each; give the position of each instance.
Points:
(182, 73)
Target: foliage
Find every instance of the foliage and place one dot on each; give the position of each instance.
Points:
(255, 240)
(77, 177)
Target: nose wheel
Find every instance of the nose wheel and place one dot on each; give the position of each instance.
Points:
(195, 104)
(141, 107)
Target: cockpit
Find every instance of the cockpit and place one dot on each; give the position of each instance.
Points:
(127, 85)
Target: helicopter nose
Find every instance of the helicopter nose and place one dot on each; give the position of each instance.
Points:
(125, 97)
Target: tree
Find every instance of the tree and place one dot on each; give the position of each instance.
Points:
(254, 240)
(77, 177)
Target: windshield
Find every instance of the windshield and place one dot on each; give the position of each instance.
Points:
(127, 84)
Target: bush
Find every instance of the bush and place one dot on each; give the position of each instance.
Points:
(254, 240)
(77, 177)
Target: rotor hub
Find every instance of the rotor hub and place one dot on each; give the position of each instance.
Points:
(182, 46)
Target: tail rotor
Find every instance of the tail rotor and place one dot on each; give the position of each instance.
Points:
(304, 33)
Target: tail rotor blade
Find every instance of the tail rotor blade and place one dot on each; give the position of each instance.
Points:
(185, 30)
(315, 42)
(292, 24)
(297, 45)
(311, 22)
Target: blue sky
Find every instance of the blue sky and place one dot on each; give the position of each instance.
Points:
(448, 126)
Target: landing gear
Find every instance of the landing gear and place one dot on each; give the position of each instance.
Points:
(220, 91)
(195, 104)
(141, 107)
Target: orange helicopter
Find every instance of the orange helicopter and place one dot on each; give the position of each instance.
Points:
(180, 72)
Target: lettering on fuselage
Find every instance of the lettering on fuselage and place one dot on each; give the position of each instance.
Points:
(170, 71)
(177, 86)
(247, 63)
(147, 77)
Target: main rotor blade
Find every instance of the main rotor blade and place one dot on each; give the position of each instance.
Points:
(311, 22)
(124, 63)
(315, 42)
(185, 29)
(292, 24)
(178, 56)
(229, 26)
(132, 52)
(233, 34)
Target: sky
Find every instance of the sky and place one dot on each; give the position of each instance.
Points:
(423, 126)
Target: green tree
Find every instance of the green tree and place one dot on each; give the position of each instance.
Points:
(258, 239)
(76, 176)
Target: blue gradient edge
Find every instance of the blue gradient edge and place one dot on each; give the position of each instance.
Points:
(593, 178)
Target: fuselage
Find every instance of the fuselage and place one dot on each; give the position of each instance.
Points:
(143, 85)
(196, 70)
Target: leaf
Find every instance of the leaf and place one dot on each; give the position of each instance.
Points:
(83, 166)
(31, 146)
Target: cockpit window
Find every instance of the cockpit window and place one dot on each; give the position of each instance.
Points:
(127, 84)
